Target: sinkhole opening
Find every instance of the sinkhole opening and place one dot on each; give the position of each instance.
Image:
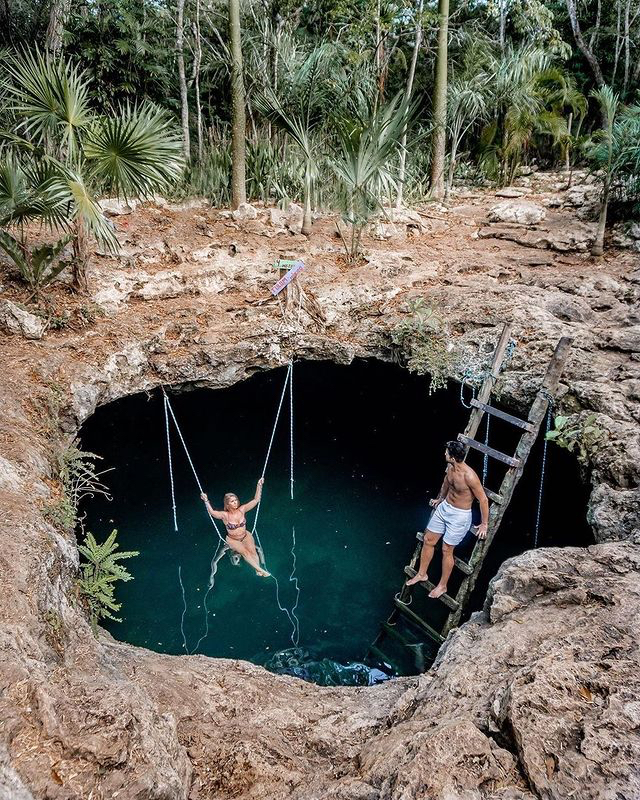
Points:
(368, 449)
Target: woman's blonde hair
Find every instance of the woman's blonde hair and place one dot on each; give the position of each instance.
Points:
(228, 497)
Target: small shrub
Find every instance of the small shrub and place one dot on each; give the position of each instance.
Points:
(425, 344)
(79, 479)
(99, 573)
(581, 436)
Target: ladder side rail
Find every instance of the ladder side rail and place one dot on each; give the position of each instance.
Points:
(484, 394)
(496, 512)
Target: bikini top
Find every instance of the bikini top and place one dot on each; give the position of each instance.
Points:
(232, 526)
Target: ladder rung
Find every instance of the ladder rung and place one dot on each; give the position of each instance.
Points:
(510, 460)
(428, 586)
(390, 630)
(519, 423)
(383, 658)
(463, 566)
(402, 607)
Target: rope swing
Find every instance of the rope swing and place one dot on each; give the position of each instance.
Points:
(222, 546)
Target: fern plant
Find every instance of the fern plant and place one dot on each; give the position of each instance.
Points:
(99, 573)
(76, 471)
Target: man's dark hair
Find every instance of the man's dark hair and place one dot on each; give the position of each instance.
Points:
(456, 450)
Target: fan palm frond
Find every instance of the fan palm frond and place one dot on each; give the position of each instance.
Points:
(134, 152)
(50, 97)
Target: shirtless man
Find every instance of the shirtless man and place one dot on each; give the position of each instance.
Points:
(452, 515)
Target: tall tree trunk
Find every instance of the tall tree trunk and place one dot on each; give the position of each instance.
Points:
(306, 219)
(618, 44)
(582, 45)
(627, 47)
(196, 70)
(439, 139)
(184, 102)
(595, 31)
(378, 50)
(408, 93)
(238, 118)
(598, 244)
(503, 23)
(567, 150)
(57, 20)
(80, 256)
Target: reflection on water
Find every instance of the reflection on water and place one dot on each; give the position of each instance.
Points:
(299, 662)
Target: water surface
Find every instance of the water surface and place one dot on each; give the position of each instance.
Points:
(368, 452)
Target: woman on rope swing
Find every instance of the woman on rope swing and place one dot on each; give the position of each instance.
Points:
(234, 518)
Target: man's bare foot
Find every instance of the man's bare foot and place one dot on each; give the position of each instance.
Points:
(437, 591)
(416, 579)
(263, 574)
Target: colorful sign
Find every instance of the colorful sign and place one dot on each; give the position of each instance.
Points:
(285, 280)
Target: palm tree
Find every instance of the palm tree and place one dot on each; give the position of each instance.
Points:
(467, 106)
(362, 163)
(609, 152)
(309, 87)
(31, 193)
(528, 99)
(132, 151)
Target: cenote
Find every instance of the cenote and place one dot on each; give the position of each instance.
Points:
(368, 446)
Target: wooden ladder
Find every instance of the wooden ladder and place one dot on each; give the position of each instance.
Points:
(427, 633)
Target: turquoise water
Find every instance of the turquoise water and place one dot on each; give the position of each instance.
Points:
(368, 451)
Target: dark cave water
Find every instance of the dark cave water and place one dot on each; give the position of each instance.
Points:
(369, 446)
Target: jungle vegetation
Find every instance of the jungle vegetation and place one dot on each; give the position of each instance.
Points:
(337, 104)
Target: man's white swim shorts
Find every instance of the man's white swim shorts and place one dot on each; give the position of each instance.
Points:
(451, 521)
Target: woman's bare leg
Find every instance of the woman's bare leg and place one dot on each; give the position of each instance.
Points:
(245, 550)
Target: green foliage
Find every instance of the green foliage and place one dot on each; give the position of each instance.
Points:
(36, 266)
(615, 148)
(424, 343)
(99, 573)
(66, 152)
(363, 164)
(582, 436)
(76, 471)
(124, 47)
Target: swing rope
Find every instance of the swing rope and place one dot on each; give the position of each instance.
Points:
(466, 374)
(212, 579)
(542, 472)
(287, 381)
(193, 469)
(295, 625)
(291, 427)
(295, 636)
(173, 492)
(293, 619)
